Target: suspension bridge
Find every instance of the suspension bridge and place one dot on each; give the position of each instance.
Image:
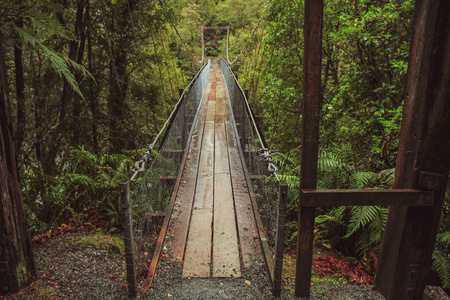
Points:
(211, 177)
(210, 201)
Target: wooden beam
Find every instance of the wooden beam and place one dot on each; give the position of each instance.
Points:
(423, 159)
(214, 28)
(312, 103)
(330, 198)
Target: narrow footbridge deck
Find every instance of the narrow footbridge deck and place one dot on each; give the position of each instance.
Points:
(212, 229)
(204, 206)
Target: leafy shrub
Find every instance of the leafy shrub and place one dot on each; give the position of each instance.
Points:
(85, 191)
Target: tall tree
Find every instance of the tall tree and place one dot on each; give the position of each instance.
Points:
(121, 37)
(76, 50)
(16, 258)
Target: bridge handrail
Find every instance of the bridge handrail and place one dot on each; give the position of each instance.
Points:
(146, 157)
(247, 105)
(144, 209)
(264, 151)
(268, 196)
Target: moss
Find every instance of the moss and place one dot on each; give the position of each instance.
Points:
(44, 290)
(22, 274)
(102, 241)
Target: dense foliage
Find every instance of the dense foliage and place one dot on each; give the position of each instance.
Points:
(92, 82)
(365, 55)
(89, 81)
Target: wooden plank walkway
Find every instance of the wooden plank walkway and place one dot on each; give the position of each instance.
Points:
(212, 229)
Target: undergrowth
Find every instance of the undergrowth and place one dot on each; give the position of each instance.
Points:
(85, 193)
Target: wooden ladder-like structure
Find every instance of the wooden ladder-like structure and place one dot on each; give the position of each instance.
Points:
(423, 160)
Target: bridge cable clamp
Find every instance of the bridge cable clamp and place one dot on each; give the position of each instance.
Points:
(265, 156)
(139, 166)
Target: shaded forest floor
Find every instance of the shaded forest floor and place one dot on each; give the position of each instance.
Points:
(90, 265)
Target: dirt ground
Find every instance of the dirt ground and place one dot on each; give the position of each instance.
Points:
(90, 265)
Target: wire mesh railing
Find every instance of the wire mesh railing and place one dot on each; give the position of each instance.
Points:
(145, 207)
(269, 195)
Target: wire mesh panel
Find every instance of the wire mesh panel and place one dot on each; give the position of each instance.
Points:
(152, 192)
(257, 157)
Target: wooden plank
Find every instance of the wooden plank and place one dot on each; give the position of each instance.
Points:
(226, 261)
(182, 210)
(244, 213)
(221, 163)
(332, 197)
(199, 119)
(210, 117)
(197, 259)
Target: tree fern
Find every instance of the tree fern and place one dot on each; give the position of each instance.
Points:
(58, 63)
(50, 25)
(443, 239)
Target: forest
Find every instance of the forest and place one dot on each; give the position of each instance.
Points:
(87, 85)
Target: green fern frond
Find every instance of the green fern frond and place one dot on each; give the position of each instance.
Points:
(363, 246)
(443, 238)
(288, 163)
(58, 63)
(49, 24)
(441, 263)
(330, 161)
(361, 180)
(292, 181)
(327, 218)
(79, 179)
(361, 216)
(386, 177)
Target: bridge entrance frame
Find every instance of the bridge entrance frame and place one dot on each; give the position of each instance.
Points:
(208, 37)
(423, 161)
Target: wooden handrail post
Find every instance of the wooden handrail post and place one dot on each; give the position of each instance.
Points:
(312, 102)
(423, 160)
(127, 225)
(279, 243)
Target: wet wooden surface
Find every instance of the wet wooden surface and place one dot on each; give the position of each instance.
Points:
(212, 229)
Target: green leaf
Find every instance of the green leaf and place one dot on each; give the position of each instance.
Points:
(58, 63)
(113, 1)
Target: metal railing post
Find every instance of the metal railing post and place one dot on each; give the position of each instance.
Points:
(279, 243)
(127, 226)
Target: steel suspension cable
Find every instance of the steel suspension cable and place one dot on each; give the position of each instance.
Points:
(140, 164)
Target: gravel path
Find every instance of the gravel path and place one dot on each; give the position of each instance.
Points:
(71, 268)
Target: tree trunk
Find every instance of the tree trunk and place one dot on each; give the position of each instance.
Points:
(57, 137)
(16, 257)
(119, 135)
(92, 93)
(20, 88)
